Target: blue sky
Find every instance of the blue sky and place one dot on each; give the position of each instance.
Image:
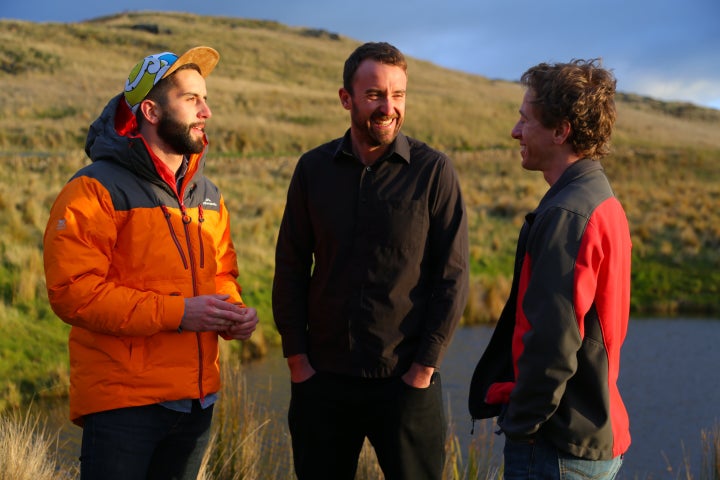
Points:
(666, 49)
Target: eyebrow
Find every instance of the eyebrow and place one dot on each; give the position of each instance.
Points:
(382, 90)
(194, 94)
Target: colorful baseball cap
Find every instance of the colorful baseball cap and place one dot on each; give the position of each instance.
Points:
(153, 68)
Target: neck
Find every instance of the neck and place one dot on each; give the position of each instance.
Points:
(368, 154)
(552, 175)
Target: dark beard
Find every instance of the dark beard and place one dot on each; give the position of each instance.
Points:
(177, 135)
(364, 127)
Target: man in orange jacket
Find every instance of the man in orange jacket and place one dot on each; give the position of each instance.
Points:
(139, 260)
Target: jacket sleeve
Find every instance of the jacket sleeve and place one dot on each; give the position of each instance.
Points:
(448, 239)
(78, 250)
(546, 352)
(293, 262)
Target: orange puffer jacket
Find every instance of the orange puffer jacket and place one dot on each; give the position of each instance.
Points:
(122, 250)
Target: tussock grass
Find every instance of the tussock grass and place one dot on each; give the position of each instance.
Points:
(250, 442)
(710, 458)
(711, 453)
(27, 450)
(247, 442)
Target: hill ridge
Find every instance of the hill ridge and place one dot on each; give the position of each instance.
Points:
(275, 88)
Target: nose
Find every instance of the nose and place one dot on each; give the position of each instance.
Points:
(205, 111)
(388, 105)
(516, 132)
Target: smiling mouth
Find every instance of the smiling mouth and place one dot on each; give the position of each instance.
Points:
(383, 121)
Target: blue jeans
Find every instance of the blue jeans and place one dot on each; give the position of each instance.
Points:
(542, 461)
(148, 442)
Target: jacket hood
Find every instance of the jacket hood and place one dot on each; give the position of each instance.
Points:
(114, 137)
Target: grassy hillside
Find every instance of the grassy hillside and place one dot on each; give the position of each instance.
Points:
(273, 92)
(274, 95)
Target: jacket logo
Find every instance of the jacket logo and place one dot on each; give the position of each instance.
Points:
(61, 224)
(209, 203)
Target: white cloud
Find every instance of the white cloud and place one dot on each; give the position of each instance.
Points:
(695, 90)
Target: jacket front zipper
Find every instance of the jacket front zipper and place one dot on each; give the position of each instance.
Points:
(186, 220)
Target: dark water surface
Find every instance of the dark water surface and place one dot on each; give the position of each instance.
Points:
(668, 378)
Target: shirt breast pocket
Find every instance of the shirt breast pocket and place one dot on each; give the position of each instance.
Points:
(405, 224)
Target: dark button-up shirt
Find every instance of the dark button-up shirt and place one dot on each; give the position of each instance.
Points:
(372, 261)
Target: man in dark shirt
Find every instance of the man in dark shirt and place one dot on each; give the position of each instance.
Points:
(371, 279)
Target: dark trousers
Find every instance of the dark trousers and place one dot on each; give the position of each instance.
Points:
(330, 416)
(149, 442)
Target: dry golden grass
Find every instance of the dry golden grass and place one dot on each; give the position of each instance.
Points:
(27, 451)
(711, 453)
(249, 444)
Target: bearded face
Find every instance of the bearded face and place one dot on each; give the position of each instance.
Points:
(181, 137)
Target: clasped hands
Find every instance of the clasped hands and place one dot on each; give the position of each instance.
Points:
(215, 314)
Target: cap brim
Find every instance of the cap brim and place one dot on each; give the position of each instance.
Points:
(204, 57)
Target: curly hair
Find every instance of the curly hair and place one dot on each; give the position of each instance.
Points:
(379, 51)
(581, 92)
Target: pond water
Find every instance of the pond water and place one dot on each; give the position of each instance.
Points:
(669, 380)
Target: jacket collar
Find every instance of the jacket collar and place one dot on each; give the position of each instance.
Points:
(576, 170)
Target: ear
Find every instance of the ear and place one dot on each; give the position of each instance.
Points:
(562, 132)
(345, 98)
(151, 111)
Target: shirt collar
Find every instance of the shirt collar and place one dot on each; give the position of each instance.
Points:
(400, 148)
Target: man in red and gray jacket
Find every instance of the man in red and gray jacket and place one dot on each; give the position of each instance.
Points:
(550, 371)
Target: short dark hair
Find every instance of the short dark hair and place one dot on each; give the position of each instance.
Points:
(379, 51)
(581, 92)
(159, 92)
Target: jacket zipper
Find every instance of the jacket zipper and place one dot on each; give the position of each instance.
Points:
(186, 220)
(201, 219)
(166, 214)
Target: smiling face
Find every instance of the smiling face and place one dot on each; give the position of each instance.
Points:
(183, 113)
(544, 149)
(377, 106)
(536, 140)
